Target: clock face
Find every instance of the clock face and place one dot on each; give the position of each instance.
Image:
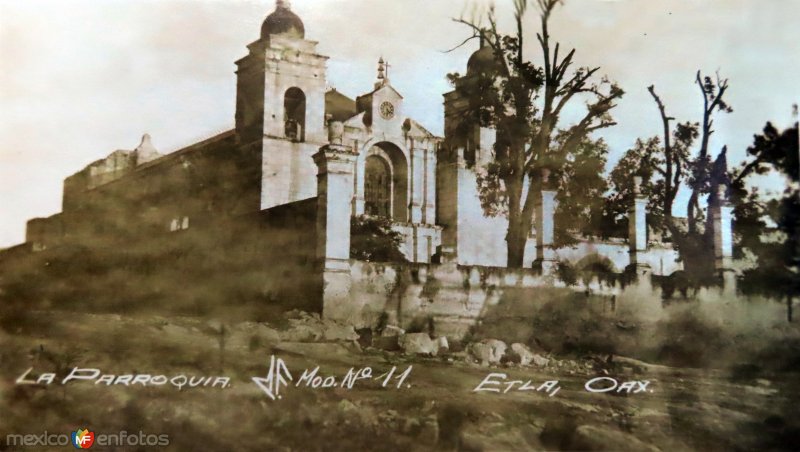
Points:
(387, 110)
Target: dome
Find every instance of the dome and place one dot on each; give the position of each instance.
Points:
(283, 21)
(482, 61)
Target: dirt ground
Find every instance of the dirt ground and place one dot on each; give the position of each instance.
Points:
(435, 408)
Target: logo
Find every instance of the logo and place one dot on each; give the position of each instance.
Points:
(277, 376)
(82, 439)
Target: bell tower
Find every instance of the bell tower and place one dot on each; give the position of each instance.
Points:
(467, 147)
(280, 106)
(281, 83)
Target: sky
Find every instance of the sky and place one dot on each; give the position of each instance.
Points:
(82, 78)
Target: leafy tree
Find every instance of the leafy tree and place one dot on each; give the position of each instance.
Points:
(777, 274)
(581, 186)
(373, 239)
(642, 160)
(523, 102)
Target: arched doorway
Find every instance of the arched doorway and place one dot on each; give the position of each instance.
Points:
(378, 187)
(385, 179)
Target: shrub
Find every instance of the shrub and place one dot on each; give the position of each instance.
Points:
(567, 274)
(373, 239)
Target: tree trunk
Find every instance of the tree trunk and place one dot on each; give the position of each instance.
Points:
(690, 213)
(515, 244)
(789, 308)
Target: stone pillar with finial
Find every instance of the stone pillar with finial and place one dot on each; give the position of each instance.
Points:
(545, 212)
(336, 168)
(722, 230)
(637, 229)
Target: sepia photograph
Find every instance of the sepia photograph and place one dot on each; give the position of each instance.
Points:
(399, 225)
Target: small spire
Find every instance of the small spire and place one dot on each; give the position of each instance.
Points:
(283, 4)
(383, 73)
(146, 152)
(146, 143)
(381, 70)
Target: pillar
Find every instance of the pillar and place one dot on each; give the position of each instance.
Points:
(450, 175)
(638, 269)
(722, 228)
(417, 181)
(335, 163)
(545, 212)
(429, 204)
(637, 230)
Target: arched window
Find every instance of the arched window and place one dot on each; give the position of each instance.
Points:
(377, 187)
(294, 114)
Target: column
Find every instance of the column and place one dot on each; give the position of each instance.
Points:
(417, 173)
(429, 204)
(637, 235)
(335, 163)
(637, 230)
(358, 184)
(449, 168)
(722, 224)
(545, 211)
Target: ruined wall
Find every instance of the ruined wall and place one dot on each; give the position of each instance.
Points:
(453, 297)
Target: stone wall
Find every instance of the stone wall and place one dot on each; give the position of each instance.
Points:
(245, 267)
(450, 297)
(276, 249)
(206, 183)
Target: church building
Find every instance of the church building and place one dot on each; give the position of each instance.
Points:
(264, 211)
(283, 108)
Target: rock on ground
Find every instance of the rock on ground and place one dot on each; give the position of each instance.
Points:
(301, 333)
(488, 351)
(333, 331)
(442, 344)
(418, 344)
(306, 327)
(521, 353)
(540, 361)
(392, 330)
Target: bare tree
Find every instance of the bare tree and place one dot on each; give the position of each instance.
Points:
(677, 166)
(672, 168)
